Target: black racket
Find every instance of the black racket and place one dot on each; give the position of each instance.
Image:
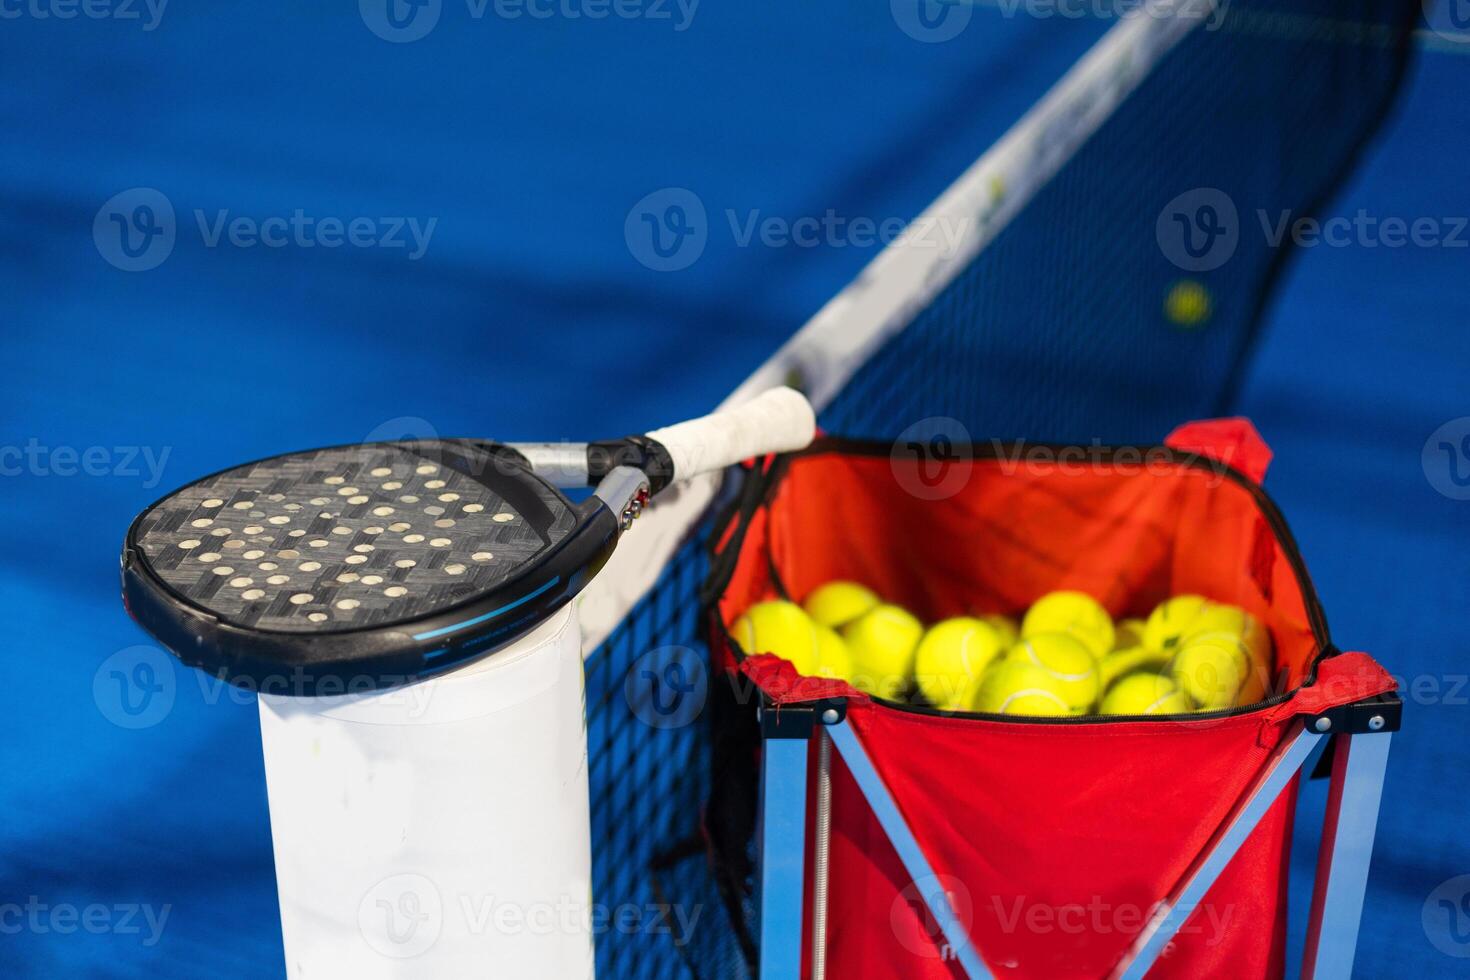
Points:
(363, 566)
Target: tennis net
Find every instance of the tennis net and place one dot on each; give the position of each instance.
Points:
(1117, 264)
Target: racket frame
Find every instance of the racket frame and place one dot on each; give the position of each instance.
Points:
(357, 659)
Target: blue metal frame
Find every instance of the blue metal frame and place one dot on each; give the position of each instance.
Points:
(782, 837)
(1358, 771)
(1359, 768)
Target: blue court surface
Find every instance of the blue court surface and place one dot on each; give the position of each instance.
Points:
(515, 150)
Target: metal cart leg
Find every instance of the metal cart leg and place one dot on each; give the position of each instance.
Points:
(821, 857)
(782, 856)
(1358, 770)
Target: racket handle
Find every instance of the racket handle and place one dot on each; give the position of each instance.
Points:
(776, 421)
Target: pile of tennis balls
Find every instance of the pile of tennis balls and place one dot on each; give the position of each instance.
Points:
(1065, 657)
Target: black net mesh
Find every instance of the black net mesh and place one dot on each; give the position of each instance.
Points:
(1078, 322)
(1085, 319)
(659, 912)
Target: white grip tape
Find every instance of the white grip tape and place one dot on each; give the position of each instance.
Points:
(777, 421)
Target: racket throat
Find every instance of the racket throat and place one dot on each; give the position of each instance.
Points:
(624, 491)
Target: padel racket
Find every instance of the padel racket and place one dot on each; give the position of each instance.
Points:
(364, 566)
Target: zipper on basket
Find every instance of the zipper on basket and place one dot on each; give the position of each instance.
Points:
(1275, 520)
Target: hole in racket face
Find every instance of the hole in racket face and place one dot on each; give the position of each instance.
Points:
(351, 537)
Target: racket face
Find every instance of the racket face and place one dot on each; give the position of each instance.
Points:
(391, 541)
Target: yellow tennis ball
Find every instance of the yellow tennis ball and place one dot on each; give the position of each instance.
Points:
(882, 644)
(833, 658)
(1188, 303)
(1169, 621)
(1070, 665)
(1120, 663)
(1017, 687)
(1076, 613)
(952, 658)
(838, 603)
(1005, 628)
(1144, 693)
(1127, 634)
(781, 628)
(1217, 671)
(1257, 678)
(1221, 617)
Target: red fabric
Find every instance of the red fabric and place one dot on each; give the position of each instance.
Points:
(783, 685)
(1342, 679)
(1058, 840)
(1233, 441)
(1131, 534)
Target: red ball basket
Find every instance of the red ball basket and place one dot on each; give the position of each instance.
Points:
(937, 844)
